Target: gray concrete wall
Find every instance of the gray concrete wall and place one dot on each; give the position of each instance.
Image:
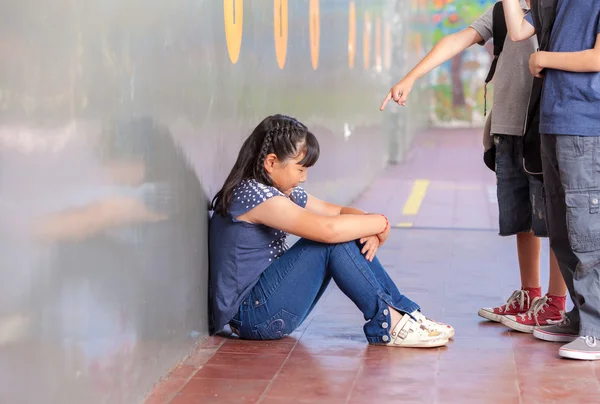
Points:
(118, 122)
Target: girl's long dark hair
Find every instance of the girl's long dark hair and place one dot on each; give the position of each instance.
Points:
(279, 134)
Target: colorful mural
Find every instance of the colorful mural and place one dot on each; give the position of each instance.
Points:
(458, 85)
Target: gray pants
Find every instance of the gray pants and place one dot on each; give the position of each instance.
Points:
(572, 192)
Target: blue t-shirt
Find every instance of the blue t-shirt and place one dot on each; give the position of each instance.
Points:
(241, 251)
(571, 101)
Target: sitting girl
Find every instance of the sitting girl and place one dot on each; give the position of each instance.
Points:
(264, 290)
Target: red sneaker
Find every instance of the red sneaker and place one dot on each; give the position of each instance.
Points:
(519, 302)
(544, 311)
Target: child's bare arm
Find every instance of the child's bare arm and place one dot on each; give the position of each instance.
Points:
(518, 27)
(581, 62)
(444, 50)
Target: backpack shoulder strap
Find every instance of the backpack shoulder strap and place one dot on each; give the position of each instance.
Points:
(543, 13)
(499, 32)
(499, 29)
(536, 11)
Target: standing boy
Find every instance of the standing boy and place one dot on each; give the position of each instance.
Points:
(570, 141)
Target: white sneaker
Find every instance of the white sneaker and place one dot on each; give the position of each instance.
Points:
(443, 328)
(409, 333)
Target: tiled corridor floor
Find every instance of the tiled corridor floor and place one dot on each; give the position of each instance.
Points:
(451, 273)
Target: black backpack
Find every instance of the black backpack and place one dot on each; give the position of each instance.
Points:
(499, 35)
(544, 14)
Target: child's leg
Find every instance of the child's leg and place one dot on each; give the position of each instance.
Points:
(578, 159)
(387, 284)
(515, 218)
(289, 288)
(528, 249)
(285, 293)
(561, 258)
(368, 285)
(398, 299)
(556, 283)
(556, 218)
(548, 309)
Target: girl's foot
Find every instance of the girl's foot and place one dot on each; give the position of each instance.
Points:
(445, 329)
(409, 333)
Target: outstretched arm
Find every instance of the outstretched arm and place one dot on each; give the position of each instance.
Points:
(518, 27)
(581, 62)
(443, 51)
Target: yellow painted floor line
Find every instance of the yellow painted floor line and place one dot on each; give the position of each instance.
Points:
(413, 203)
(404, 224)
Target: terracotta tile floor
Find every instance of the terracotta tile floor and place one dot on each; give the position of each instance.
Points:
(451, 274)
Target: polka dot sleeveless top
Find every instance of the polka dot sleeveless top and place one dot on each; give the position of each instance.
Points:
(248, 195)
(241, 251)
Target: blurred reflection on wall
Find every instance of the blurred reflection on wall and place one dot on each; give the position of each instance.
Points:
(103, 255)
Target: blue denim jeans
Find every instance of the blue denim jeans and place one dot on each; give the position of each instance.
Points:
(571, 167)
(520, 198)
(289, 289)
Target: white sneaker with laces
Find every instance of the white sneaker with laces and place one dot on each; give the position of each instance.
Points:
(409, 333)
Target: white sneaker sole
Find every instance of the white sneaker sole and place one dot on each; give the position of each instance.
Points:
(514, 325)
(489, 315)
(539, 333)
(581, 355)
(432, 343)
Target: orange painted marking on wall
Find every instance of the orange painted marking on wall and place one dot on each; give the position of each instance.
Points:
(315, 32)
(233, 11)
(367, 41)
(387, 55)
(280, 30)
(378, 43)
(352, 35)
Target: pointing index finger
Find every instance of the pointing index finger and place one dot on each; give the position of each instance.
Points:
(387, 99)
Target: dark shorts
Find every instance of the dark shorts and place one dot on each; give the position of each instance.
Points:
(520, 196)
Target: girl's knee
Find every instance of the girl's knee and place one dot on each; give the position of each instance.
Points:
(311, 243)
(351, 245)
